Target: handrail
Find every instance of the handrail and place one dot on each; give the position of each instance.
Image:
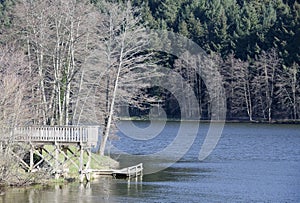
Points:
(135, 170)
(70, 134)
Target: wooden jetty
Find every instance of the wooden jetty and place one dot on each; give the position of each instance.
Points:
(129, 172)
(35, 139)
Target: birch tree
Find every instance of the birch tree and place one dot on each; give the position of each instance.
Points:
(267, 67)
(123, 43)
(58, 35)
(201, 72)
(191, 73)
(288, 91)
(238, 87)
(15, 108)
(15, 85)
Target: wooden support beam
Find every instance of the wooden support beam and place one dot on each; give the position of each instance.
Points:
(88, 165)
(20, 159)
(67, 158)
(50, 153)
(43, 158)
(81, 172)
(47, 158)
(72, 152)
(56, 170)
(31, 161)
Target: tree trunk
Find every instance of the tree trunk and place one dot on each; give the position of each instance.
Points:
(111, 110)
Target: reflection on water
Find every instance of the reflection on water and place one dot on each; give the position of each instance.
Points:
(104, 189)
(252, 163)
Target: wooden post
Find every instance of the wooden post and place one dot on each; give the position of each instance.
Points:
(128, 184)
(56, 161)
(81, 175)
(136, 173)
(31, 159)
(141, 173)
(128, 173)
(88, 175)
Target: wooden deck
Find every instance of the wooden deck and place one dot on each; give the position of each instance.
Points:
(60, 134)
(61, 137)
(36, 138)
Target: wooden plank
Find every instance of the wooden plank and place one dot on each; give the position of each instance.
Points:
(31, 163)
(56, 161)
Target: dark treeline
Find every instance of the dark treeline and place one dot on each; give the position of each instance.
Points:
(255, 44)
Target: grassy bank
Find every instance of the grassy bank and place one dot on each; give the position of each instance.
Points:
(12, 174)
(72, 165)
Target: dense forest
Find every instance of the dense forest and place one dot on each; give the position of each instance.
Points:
(243, 28)
(255, 45)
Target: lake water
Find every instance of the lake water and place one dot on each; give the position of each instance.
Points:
(251, 163)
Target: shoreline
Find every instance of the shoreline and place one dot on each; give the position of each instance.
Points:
(275, 121)
(106, 162)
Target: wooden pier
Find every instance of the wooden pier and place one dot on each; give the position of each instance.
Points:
(58, 147)
(63, 139)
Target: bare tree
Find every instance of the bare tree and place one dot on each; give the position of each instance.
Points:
(124, 43)
(58, 36)
(191, 72)
(288, 91)
(202, 73)
(237, 84)
(61, 38)
(15, 109)
(15, 85)
(267, 67)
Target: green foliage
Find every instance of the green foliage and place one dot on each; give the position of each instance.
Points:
(245, 28)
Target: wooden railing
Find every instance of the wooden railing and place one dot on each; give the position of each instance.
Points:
(135, 170)
(63, 134)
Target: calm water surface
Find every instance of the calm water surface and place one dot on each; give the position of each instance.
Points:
(251, 163)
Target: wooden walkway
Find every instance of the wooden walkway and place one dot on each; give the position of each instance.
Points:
(129, 172)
